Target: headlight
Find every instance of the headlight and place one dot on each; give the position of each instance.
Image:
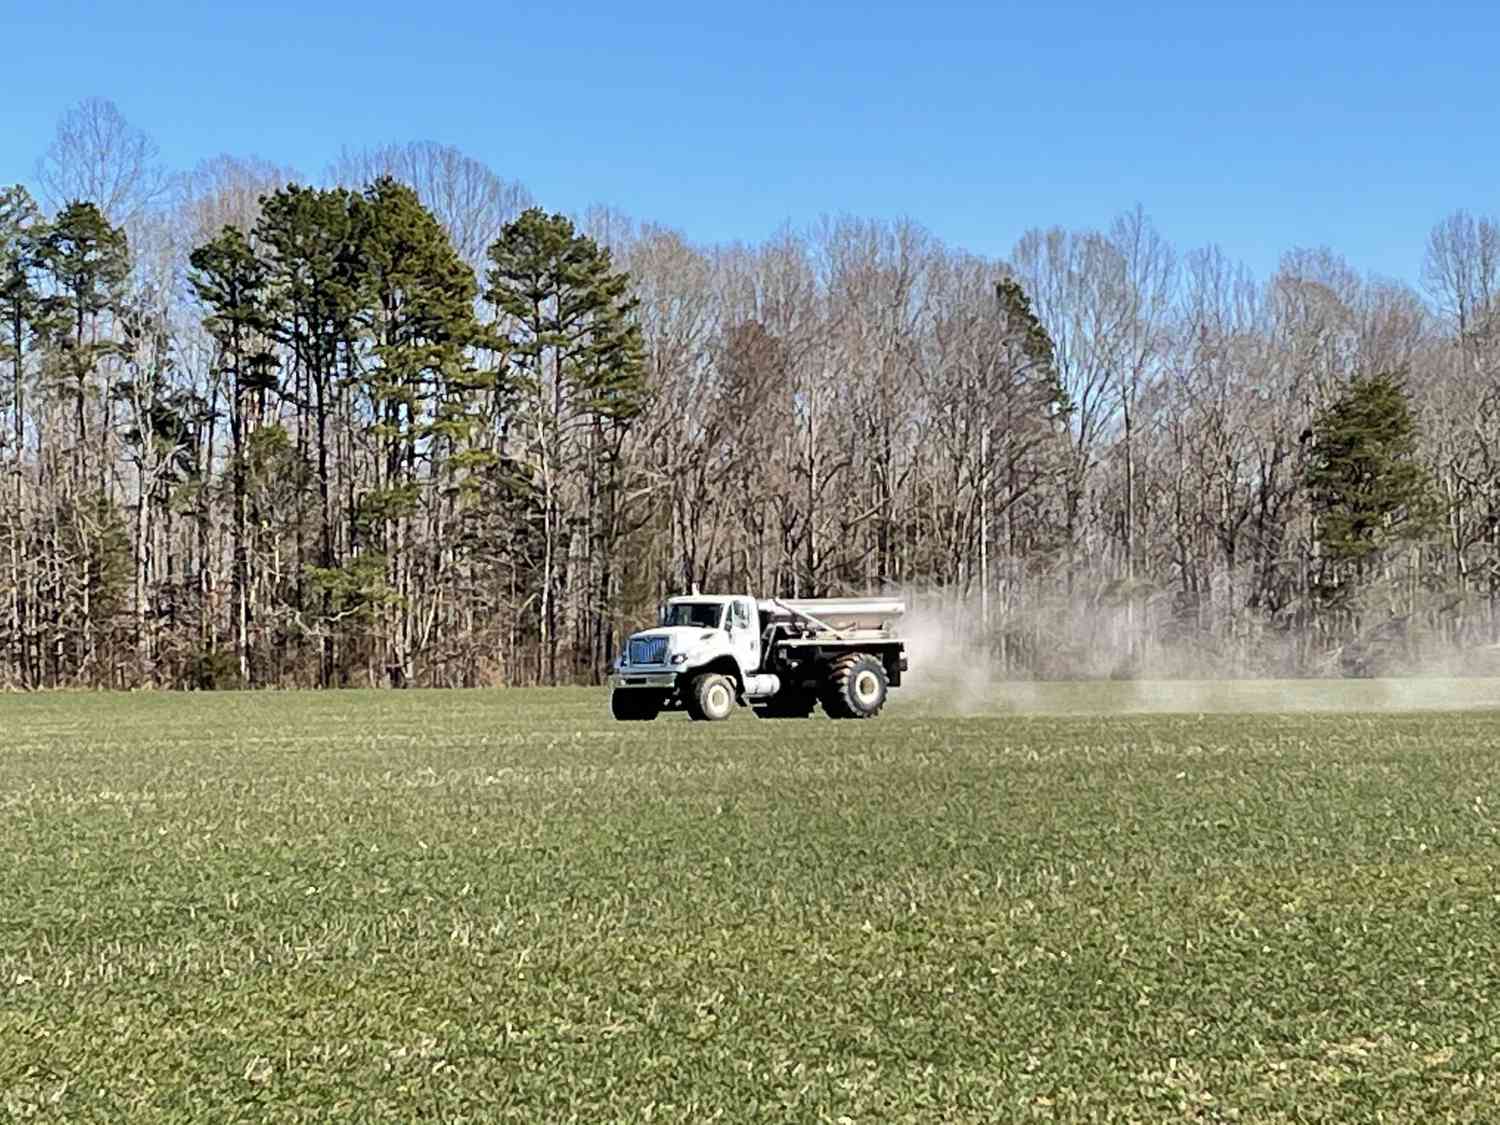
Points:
(679, 658)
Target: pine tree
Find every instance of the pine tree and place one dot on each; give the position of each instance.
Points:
(1369, 494)
(231, 281)
(21, 227)
(20, 310)
(86, 262)
(577, 375)
(1023, 408)
(1365, 483)
(1030, 357)
(83, 263)
(417, 307)
(311, 247)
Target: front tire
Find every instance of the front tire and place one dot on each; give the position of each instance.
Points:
(710, 697)
(856, 687)
(630, 706)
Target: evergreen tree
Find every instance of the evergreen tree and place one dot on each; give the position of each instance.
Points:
(417, 308)
(1369, 494)
(1366, 485)
(576, 371)
(86, 262)
(20, 324)
(314, 276)
(83, 263)
(21, 227)
(1030, 357)
(1026, 408)
(232, 281)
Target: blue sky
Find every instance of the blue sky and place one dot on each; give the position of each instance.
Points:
(1258, 126)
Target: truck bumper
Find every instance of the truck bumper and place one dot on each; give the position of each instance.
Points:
(659, 681)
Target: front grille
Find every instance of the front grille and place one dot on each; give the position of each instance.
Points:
(648, 650)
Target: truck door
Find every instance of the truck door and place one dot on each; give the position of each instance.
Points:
(744, 640)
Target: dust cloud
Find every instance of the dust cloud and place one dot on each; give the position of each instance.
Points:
(1094, 665)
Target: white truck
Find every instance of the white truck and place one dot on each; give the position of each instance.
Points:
(781, 657)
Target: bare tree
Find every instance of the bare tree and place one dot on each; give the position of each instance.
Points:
(879, 277)
(612, 228)
(1462, 268)
(1078, 287)
(99, 157)
(1147, 270)
(467, 196)
(226, 190)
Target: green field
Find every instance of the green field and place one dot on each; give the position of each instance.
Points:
(497, 905)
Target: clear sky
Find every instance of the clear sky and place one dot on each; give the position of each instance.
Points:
(1259, 126)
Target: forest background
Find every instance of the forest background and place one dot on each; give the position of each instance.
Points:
(407, 426)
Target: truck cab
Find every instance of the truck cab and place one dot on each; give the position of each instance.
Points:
(693, 633)
(715, 625)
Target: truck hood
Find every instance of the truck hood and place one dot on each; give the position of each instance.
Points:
(679, 637)
(687, 642)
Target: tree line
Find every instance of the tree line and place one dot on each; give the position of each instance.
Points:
(406, 427)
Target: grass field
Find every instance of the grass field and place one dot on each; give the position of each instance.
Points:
(498, 906)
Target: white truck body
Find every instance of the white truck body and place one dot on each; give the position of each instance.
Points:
(777, 655)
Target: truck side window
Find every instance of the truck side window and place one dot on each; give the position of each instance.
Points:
(741, 618)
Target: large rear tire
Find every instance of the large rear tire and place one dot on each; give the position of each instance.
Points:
(856, 687)
(632, 706)
(710, 697)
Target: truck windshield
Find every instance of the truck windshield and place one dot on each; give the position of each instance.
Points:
(704, 615)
